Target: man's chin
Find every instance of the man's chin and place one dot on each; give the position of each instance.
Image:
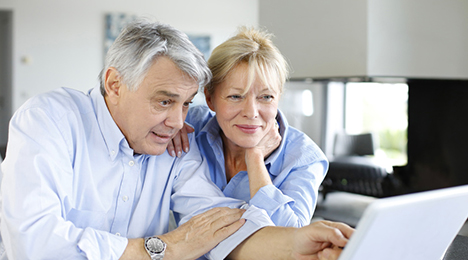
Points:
(156, 149)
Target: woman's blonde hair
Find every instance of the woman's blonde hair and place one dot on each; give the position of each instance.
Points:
(254, 47)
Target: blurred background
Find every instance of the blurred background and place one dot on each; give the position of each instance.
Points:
(397, 69)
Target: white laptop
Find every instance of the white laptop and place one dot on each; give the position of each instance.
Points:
(418, 226)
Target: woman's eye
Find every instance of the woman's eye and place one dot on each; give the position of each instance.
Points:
(267, 97)
(235, 97)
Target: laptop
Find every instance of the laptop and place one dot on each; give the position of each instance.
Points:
(417, 226)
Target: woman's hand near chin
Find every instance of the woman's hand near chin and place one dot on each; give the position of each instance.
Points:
(269, 142)
(255, 159)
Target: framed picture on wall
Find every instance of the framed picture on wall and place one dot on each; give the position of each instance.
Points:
(114, 23)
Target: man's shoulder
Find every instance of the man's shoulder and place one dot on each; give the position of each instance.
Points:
(59, 101)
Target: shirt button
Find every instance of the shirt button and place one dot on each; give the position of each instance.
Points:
(117, 234)
(131, 163)
(124, 198)
(112, 152)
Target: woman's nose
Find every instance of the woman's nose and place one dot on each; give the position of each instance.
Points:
(250, 108)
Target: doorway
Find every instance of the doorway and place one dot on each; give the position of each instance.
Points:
(6, 78)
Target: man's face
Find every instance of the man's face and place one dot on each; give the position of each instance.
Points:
(151, 116)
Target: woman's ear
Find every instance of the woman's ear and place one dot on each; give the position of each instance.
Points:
(208, 99)
(112, 84)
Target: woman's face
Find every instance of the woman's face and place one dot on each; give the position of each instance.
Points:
(244, 117)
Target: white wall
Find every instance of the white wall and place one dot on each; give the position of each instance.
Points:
(60, 43)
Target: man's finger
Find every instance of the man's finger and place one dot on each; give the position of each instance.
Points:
(331, 253)
(336, 233)
(346, 230)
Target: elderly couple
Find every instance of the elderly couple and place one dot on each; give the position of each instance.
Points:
(91, 176)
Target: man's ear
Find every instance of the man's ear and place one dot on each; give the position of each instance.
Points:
(113, 84)
(208, 99)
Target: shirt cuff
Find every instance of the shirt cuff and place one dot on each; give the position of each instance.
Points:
(256, 219)
(95, 244)
(270, 199)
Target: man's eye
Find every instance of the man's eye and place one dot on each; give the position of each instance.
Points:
(187, 104)
(165, 102)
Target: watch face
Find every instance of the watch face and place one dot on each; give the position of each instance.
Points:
(155, 245)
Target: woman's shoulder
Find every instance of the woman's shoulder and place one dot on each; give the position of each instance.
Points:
(300, 146)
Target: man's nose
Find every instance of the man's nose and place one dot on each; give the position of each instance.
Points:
(175, 118)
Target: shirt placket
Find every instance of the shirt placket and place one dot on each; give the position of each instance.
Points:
(125, 199)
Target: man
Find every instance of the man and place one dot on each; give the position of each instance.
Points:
(87, 176)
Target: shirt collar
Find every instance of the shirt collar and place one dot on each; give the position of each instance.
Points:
(109, 129)
(212, 129)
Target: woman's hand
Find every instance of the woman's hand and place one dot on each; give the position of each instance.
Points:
(255, 159)
(270, 141)
(174, 148)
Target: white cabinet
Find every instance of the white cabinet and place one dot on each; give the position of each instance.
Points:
(371, 38)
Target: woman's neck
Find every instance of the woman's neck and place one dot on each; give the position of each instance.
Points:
(234, 158)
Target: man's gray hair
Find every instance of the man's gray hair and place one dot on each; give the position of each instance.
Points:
(142, 42)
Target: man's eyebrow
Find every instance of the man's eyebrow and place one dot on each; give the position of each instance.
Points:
(194, 94)
(166, 93)
(173, 95)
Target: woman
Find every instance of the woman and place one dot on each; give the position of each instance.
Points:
(253, 154)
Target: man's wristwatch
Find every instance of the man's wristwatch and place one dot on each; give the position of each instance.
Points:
(155, 247)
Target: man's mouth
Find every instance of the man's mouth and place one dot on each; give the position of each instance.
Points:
(163, 136)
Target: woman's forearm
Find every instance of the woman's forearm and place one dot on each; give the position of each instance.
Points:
(257, 171)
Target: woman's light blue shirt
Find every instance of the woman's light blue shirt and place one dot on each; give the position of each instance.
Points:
(297, 168)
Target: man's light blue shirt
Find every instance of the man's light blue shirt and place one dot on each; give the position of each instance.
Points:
(297, 168)
(73, 189)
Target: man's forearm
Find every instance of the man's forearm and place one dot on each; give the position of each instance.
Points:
(135, 250)
(319, 240)
(267, 243)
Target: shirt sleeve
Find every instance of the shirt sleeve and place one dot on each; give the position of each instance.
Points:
(194, 193)
(292, 203)
(37, 174)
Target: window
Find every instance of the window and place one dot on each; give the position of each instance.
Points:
(380, 108)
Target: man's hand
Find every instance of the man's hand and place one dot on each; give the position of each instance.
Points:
(202, 233)
(321, 240)
(174, 148)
